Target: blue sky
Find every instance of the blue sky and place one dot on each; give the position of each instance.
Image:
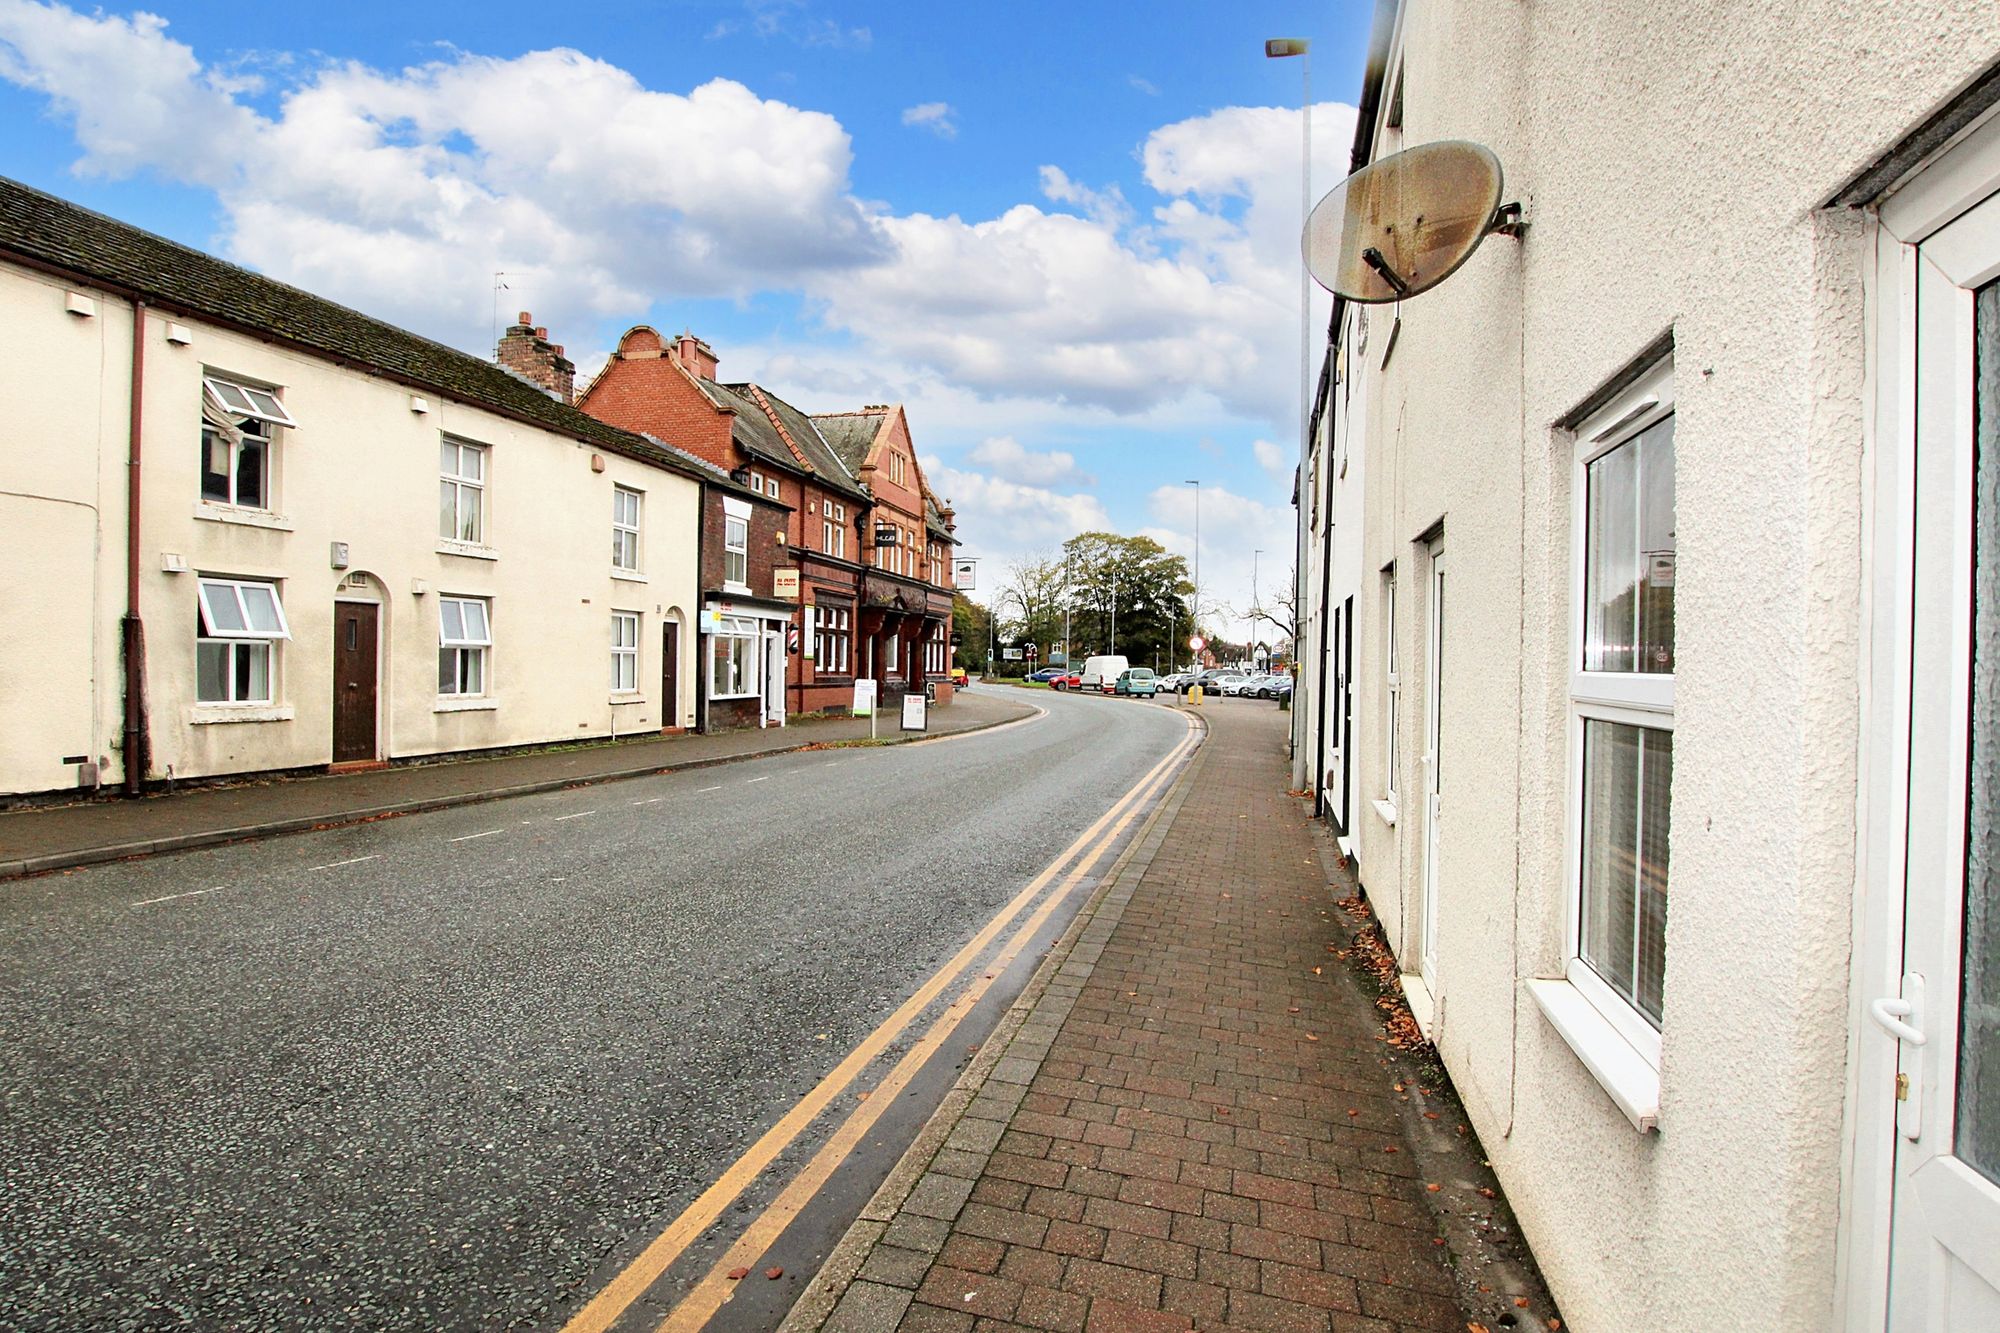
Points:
(1064, 234)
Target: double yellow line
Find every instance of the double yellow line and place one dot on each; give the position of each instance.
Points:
(714, 1288)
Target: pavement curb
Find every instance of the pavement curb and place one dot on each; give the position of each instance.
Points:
(23, 867)
(1020, 1041)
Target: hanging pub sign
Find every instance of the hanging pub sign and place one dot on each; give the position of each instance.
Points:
(965, 574)
(886, 534)
(785, 583)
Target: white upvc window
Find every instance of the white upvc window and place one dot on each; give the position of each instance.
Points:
(889, 647)
(773, 489)
(624, 528)
(461, 491)
(832, 640)
(624, 652)
(239, 425)
(241, 620)
(1622, 708)
(1392, 689)
(465, 638)
(733, 659)
(736, 543)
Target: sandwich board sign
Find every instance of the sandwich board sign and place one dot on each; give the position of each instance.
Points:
(916, 713)
(864, 698)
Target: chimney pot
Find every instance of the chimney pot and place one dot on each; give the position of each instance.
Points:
(525, 318)
(542, 332)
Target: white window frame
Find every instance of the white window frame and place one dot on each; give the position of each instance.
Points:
(1641, 699)
(249, 400)
(224, 618)
(833, 640)
(462, 483)
(736, 634)
(625, 652)
(467, 646)
(1392, 688)
(625, 532)
(736, 554)
(255, 428)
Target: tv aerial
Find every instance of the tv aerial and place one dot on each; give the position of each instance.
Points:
(1401, 226)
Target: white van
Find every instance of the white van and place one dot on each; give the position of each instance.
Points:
(1101, 673)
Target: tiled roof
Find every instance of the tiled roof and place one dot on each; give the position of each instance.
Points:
(754, 430)
(850, 434)
(56, 234)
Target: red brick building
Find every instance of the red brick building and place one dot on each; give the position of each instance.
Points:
(839, 606)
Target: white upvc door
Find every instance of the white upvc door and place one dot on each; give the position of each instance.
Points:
(1433, 768)
(1944, 1243)
(774, 679)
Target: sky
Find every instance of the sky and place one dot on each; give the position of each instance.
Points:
(1064, 235)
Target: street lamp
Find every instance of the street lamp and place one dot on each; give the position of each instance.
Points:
(1278, 48)
(1255, 603)
(1197, 552)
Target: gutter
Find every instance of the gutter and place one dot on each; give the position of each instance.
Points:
(132, 628)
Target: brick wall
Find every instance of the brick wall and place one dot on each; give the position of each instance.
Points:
(641, 389)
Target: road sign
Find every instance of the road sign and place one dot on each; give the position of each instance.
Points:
(1197, 643)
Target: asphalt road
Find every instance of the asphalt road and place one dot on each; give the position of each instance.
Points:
(444, 1072)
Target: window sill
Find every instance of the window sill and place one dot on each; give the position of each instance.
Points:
(725, 698)
(624, 697)
(472, 704)
(470, 550)
(628, 575)
(208, 715)
(1624, 1073)
(1386, 811)
(740, 589)
(210, 511)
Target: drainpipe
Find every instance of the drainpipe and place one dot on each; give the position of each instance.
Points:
(133, 629)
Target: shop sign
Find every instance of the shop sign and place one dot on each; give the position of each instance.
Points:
(785, 584)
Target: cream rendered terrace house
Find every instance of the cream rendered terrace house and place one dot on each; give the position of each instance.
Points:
(248, 530)
(1675, 642)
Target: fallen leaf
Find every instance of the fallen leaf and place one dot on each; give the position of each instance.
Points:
(1317, 972)
(1520, 1302)
(1392, 1148)
(1437, 1240)
(774, 1273)
(1293, 1010)
(1399, 1087)
(1353, 1110)
(860, 1096)
(1430, 1115)
(1475, 1328)
(1434, 1188)
(738, 1274)
(1555, 1323)
(1312, 1036)
(821, 1037)
(1222, 1110)
(1485, 1193)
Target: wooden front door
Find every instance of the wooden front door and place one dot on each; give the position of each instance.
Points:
(354, 680)
(670, 675)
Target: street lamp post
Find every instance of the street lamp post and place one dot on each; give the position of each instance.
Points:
(1197, 552)
(1279, 48)
(1256, 603)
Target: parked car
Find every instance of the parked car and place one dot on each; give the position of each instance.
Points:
(1071, 681)
(1283, 689)
(1101, 673)
(1225, 682)
(1174, 683)
(1136, 682)
(1048, 673)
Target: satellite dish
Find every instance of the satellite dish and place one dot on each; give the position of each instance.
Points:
(1403, 225)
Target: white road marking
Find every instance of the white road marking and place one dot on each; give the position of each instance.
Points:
(650, 800)
(470, 836)
(829, 763)
(335, 865)
(765, 778)
(193, 893)
(578, 815)
(708, 789)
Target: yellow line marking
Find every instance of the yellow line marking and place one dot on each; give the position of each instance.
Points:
(715, 1289)
(668, 1246)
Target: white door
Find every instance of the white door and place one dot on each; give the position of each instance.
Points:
(1944, 1263)
(774, 679)
(1433, 767)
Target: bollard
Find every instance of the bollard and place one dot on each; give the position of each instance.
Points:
(1194, 695)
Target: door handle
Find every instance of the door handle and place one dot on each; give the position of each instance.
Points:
(1889, 1012)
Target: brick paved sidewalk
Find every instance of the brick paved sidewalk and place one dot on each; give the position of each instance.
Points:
(1190, 1128)
(38, 838)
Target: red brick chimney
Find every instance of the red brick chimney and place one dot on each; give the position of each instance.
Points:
(526, 350)
(696, 355)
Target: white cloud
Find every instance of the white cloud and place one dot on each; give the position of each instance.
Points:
(1273, 460)
(1146, 86)
(933, 116)
(1000, 520)
(402, 191)
(1007, 458)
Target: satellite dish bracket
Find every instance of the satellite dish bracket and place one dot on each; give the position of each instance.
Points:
(1507, 221)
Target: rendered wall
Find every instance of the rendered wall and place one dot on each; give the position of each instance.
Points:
(1672, 160)
(362, 468)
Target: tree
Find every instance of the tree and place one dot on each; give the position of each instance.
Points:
(968, 621)
(1128, 596)
(1281, 611)
(1035, 588)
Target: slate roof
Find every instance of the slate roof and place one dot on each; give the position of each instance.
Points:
(54, 233)
(850, 434)
(753, 430)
